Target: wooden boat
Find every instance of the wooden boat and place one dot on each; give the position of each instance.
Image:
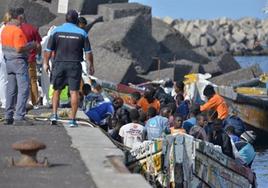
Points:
(250, 101)
(183, 161)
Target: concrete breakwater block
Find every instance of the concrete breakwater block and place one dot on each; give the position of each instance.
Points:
(184, 67)
(41, 12)
(159, 75)
(37, 13)
(121, 10)
(169, 39)
(91, 19)
(112, 67)
(91, 6)
(191, 55)
(236, 76)
(174, 45)
(212, 68)
(127, 37)
(56, 22)
(227, 63)
(174, 70)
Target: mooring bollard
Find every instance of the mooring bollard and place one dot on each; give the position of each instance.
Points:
(28, 149)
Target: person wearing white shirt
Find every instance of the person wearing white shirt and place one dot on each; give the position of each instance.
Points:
(3, 72)
(132, 133)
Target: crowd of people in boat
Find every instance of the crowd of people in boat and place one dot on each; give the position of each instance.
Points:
(153, 113)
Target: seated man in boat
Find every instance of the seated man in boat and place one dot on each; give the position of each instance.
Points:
(215, 102)
(134, 98)
(149, 100)
(121, 112)
(132, 133)
(230, 130)
(236, 122)
(178, 88)
(245, 148)
(90, 97)
(156, 126)
(211, 116)
(113, 128)
(220, 138)
(182, 106)
(191, 121)
(166, 112)
(198, 130)
(96, 108)
(171, 107)
(177, 128)
(162, 96)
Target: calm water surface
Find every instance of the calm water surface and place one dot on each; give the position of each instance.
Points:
(246, 61)
(260, 164)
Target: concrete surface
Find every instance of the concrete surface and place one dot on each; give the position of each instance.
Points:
(95, 149)
(237, 76)
(68, 170)
(79, 157)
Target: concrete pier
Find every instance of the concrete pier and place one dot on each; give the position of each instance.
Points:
(79, 157)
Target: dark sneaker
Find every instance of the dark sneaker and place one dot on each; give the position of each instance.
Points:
(9, 121)
(54, 119)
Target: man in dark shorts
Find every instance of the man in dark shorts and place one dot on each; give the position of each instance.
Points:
(68, 42)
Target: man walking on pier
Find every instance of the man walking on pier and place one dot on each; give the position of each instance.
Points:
(68, 42)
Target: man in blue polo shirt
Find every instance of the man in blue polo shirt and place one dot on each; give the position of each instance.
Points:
(67, 42)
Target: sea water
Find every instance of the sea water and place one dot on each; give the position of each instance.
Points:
(246, 61)
(260, 164)
(260, 167)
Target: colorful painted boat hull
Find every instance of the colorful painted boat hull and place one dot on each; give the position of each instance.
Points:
(251, 109)
(184, 161)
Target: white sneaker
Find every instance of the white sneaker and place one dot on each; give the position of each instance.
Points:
(35, 107)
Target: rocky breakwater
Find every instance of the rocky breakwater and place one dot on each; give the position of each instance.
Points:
(246, 36)
(130, 42)
(131, 46)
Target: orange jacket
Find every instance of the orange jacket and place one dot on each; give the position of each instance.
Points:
(216, 103)
(13, 37)
(144, 104)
